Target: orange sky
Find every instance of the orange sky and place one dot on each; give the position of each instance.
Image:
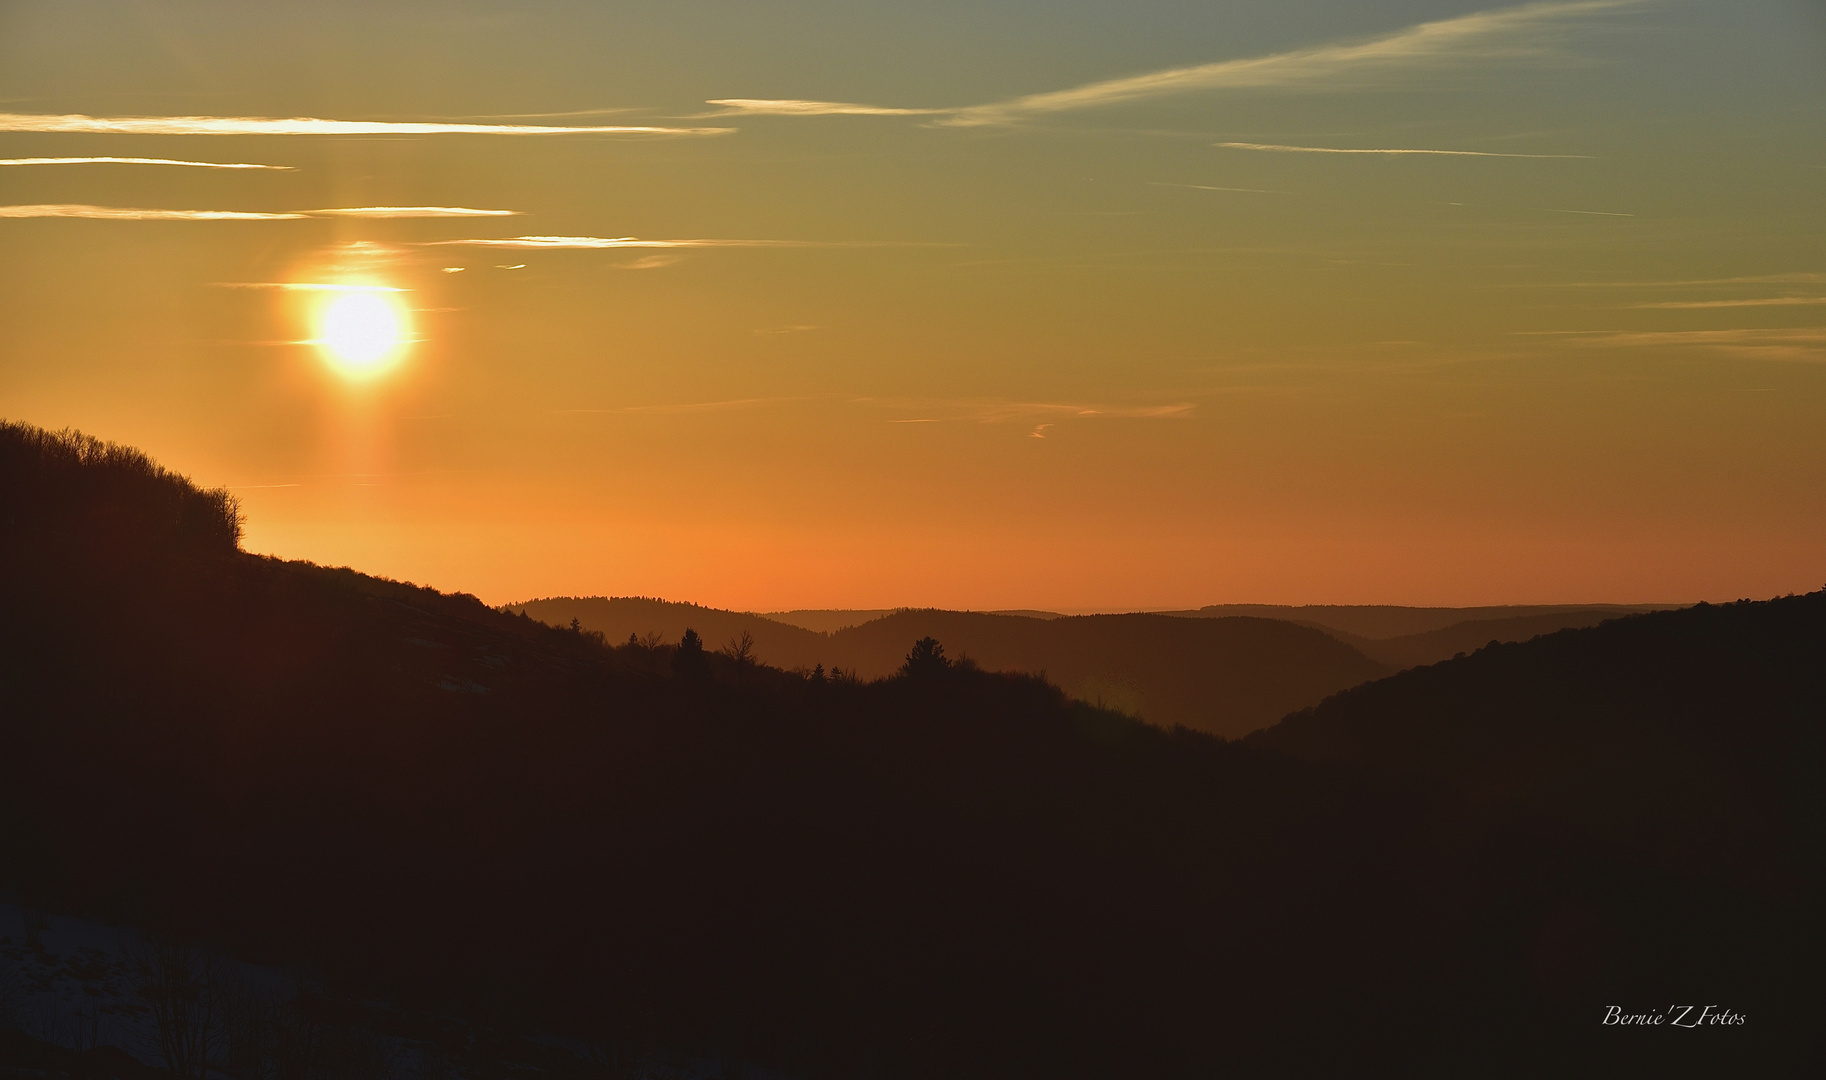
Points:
(1101, 318)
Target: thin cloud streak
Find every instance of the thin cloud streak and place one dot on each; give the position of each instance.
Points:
(1510, 33)
(142, 161)
(1768, 301)
(561, 243)
(305, 125)
(796, 107)
(308, 286)
(1523, 32)
(1587, 213)
(1277, 148)
(128, 213)
(690, 407)
(410, 212)
(1801, 345)
(990, 412)
(1208, 187)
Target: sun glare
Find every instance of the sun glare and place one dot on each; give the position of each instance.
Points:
(363, 333)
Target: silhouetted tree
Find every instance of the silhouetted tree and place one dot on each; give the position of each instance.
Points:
(741, 649)
(688, 659)
(178, 982)
(926, 660)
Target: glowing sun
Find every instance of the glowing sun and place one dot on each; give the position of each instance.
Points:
(363, 332)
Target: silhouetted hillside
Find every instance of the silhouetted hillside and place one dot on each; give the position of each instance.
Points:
(1379, 622)
(1696, 734)
(1222, 676)
(827, 620)
(1432, 646)
(619, 617)
(448, 809)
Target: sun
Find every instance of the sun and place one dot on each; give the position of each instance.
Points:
(362, 331)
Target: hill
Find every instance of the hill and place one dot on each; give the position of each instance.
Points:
(1431, 646)
(1222, 676)
(1380, 622)
(447, 810)
(1698, 734)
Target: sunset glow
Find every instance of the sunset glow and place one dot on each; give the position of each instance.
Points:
(1259, 302)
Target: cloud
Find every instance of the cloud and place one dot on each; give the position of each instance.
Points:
(1767, 301)
(1045, 412)
(548, 115)
(1277, 148)
(1516, 32)
(794, 107)
(1587, 213)
(308, 286)
(409, 212)
(127, 213)
(1527, 31)
(1802, 344)
(689, 407)
(1759, 279)
(560, 243)
(140, 161)
(1208, 187)
(305, 125)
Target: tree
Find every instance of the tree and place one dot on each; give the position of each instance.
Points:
(688, 659)
(926, 660)
(741, 650)
(179, 982)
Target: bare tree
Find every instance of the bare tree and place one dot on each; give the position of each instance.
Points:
(179, 982)
(741, 650)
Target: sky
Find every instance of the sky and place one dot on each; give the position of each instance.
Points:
(985, 305)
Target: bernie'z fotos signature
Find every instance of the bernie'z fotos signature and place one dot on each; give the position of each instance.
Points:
(1681, 1016)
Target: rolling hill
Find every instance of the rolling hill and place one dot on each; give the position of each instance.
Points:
(1222, 676)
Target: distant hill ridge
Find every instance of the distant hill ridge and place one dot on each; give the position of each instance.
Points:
(1222, 676)
(1225, 670)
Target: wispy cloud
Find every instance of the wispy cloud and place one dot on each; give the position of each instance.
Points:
(687, 407)
(308, 286)
(1587, 213)
(976, 410)
(548, 115)
(410, 212)
(1209, 187)
(141, 161)
(795, 107)
(1801, 344)
(1758, 279)
(559, 243)
(128, 213)
(307, 125)
(1278, 148)
(1526, 31)
(1765, 301)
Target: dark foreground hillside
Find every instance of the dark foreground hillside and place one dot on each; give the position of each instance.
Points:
(948, 873)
